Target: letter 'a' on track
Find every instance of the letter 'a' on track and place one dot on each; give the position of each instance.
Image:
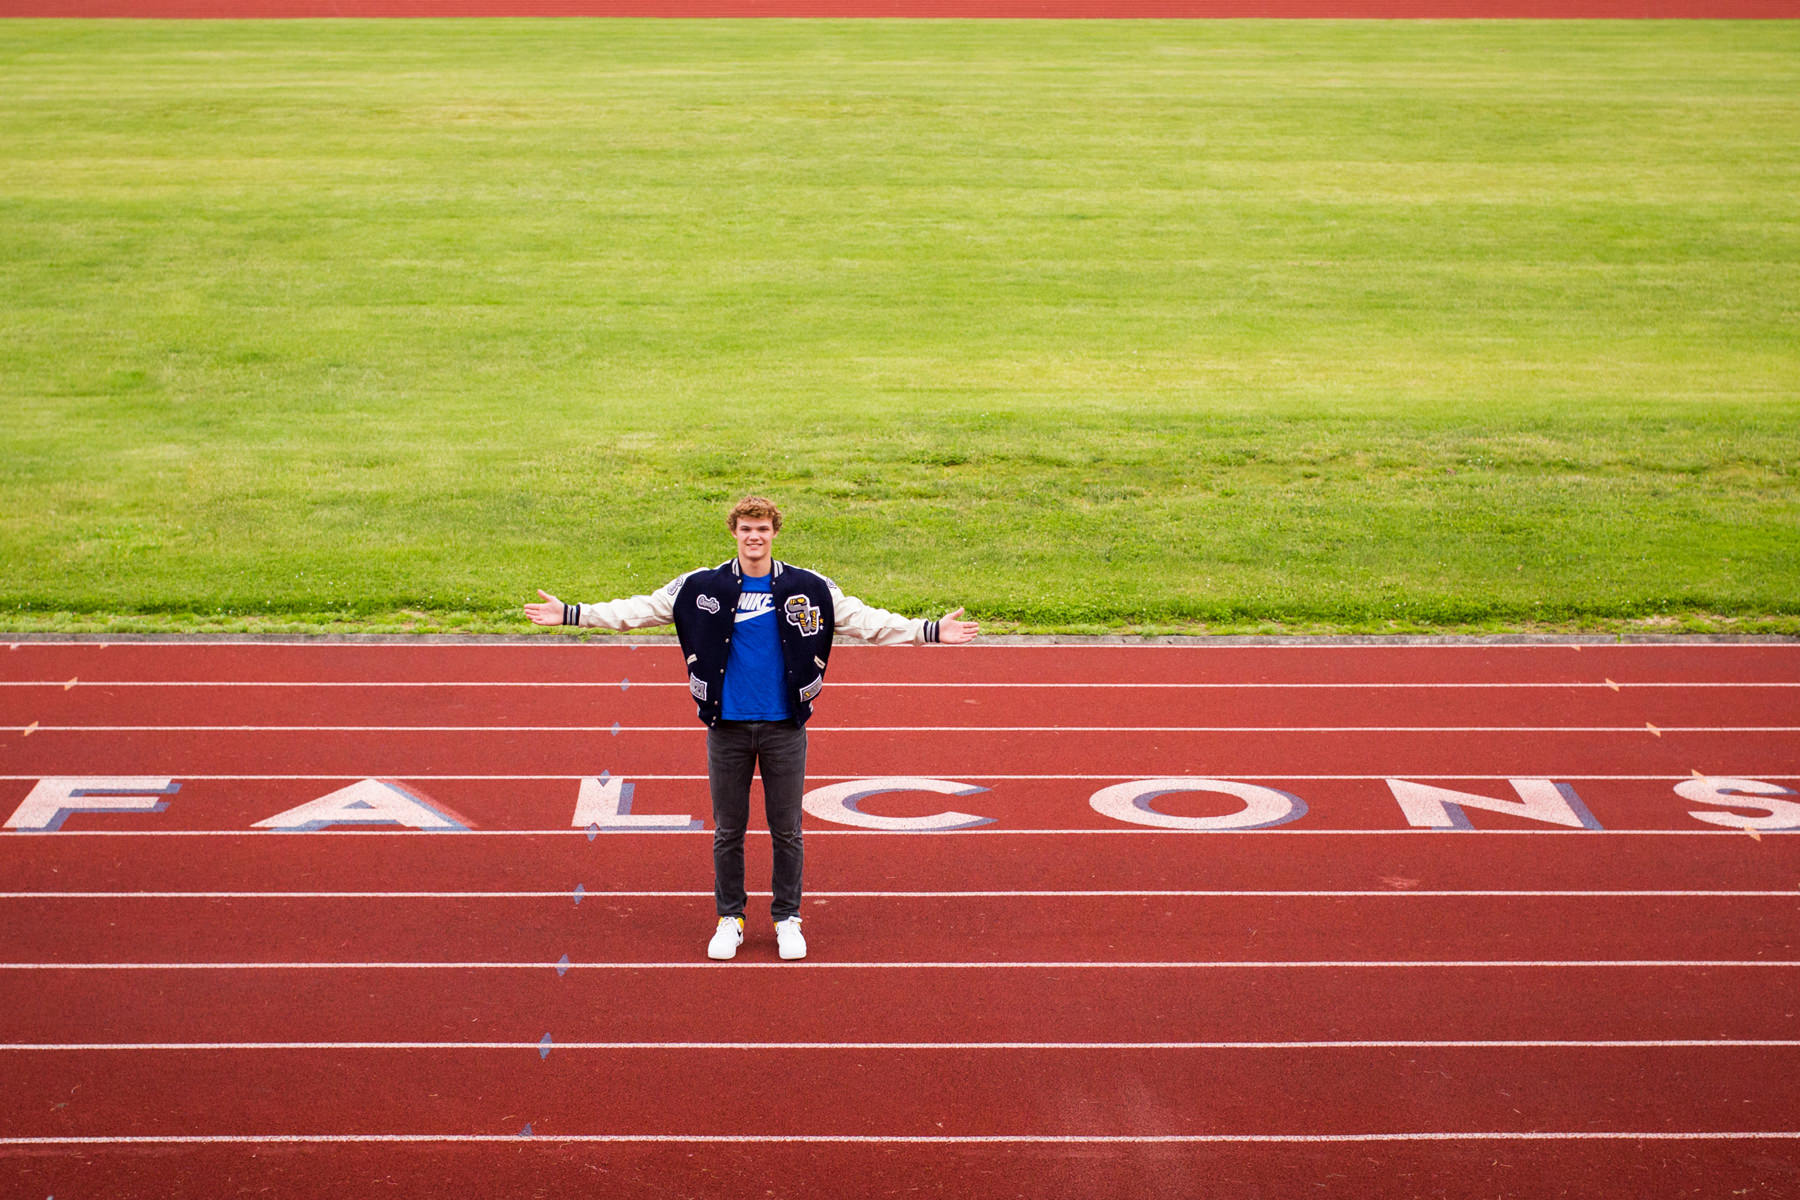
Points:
(378, 802)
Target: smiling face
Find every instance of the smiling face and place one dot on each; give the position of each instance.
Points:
(755, 541)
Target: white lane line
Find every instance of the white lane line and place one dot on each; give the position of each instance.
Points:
(875, 1139)
(694, 728)
(566, 894)
(1411, 1044)
(938, 685)
(820, 965)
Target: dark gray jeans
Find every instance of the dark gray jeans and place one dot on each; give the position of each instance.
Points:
(734, 752)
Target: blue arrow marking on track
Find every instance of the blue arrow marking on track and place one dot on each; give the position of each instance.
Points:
(544, 1047)
(562, 966)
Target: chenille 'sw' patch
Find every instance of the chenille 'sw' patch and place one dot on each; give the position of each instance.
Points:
(803, 615)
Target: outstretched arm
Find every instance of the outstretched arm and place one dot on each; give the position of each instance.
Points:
(866, 623)
(632, 612)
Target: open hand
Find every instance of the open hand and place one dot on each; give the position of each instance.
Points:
(955, 632)
(550, 612)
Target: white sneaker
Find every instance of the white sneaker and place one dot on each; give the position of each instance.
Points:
(788, 940)
(726, 938)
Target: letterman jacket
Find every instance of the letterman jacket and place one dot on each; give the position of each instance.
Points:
(702, 605)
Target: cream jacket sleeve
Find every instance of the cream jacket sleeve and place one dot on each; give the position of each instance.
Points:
(878, 626)
(633, 612)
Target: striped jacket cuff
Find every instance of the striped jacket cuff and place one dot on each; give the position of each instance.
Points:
(931, 632)
(571, 614)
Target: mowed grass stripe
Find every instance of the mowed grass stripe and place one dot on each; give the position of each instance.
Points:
(1228, 325)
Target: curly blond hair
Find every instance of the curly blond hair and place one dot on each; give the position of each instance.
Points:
(756, 508)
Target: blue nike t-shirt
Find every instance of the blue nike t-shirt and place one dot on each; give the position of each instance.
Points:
(755, 680)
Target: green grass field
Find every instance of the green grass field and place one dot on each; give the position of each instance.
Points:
(1157, 326)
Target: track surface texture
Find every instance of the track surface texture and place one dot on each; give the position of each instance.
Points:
(1085, 921)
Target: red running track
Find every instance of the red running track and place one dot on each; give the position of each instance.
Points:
(1066, 1000)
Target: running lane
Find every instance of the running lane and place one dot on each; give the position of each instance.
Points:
(1247, 916)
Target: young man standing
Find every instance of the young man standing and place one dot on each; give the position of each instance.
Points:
(757, 635)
